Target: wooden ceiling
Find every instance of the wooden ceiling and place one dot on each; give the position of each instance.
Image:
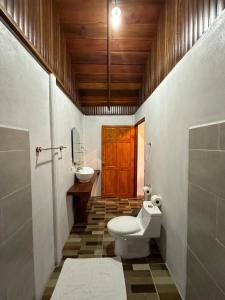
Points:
(84, 23)
(69, 39)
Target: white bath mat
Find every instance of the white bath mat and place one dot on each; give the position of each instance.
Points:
(91, 279)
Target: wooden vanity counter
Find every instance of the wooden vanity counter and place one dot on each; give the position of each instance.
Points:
(81, 193)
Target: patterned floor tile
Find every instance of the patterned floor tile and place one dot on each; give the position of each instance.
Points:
(145, 278)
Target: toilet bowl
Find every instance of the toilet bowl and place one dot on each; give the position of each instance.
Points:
(132, 234)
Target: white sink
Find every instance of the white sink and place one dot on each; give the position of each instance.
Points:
(84, 174)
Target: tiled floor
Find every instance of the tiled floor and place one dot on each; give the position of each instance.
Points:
(146, 278)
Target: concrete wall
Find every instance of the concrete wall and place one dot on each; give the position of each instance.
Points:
(93, 140)
(25, 103)
(192, 94)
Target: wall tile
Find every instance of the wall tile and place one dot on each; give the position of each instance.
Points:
(221, 221)
(201, 239)
(1, 233)
(22, 289)
(200, 283)
(206, 211)
(206, 169)
(216, 264)
(219, 295)
(16, 210)
(14, 171)
(16, 230)
(3, 295)
(222, 136)
(201, 212)
(14, 139)
(206, 137)
(191, 292)
(16, 256)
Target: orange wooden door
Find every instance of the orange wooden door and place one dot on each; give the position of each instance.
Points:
(117, 161)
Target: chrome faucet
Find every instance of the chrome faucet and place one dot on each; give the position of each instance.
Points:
(79, 168)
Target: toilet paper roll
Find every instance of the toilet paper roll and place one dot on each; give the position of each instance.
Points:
(156, 200)
(147, 190)
(147, 193)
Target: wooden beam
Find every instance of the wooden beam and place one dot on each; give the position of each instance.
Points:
(108, 52)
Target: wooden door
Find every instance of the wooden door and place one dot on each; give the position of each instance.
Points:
(117, 161)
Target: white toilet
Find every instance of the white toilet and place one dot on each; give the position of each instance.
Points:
(132, 234)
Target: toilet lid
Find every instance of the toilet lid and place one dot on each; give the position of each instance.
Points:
(124, 225)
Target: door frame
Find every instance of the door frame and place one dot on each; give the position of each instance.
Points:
(136, 153)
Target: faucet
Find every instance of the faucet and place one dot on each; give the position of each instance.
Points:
(79, 168)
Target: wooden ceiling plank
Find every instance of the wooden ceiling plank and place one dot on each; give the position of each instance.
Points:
(130, 58)
(103, 86)
(99, 31)
(81, 31)
(102, 78)
(104, 98)
(82, 11)
(114, 93)
(99, 69)
(139, 69)
(89, 69)
(139, 11)
(135, 31)
(116, 58)
(99, 57)
(86, 45)
(77, 46)
(131, 45)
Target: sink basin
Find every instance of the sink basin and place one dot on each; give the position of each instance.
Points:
(84, 174)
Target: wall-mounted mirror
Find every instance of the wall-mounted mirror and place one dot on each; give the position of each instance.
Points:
(77, 148)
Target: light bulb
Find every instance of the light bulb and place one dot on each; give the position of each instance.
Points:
(116, 12)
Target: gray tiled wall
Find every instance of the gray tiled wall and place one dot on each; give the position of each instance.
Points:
(16, 237)
(206, 214)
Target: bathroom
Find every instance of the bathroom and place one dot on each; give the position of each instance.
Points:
(182, 104)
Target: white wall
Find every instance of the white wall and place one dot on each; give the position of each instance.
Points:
(67, 116)
(141, 159)
(24, 99)
(193, 93)
(92, 140)
(24, 103)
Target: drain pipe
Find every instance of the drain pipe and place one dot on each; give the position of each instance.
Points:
(53, 132)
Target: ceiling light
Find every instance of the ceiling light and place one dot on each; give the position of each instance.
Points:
(116, 13)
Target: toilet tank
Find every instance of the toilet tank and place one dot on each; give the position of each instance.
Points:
(150, 217)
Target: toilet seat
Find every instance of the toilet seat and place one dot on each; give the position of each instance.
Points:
(124, 225)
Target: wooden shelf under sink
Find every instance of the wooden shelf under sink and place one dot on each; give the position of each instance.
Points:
(81, 193)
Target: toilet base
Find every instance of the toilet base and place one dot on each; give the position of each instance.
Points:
(132, 248)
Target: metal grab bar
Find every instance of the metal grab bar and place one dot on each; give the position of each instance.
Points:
(40, 149)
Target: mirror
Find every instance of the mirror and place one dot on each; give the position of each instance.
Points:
(77, 148)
